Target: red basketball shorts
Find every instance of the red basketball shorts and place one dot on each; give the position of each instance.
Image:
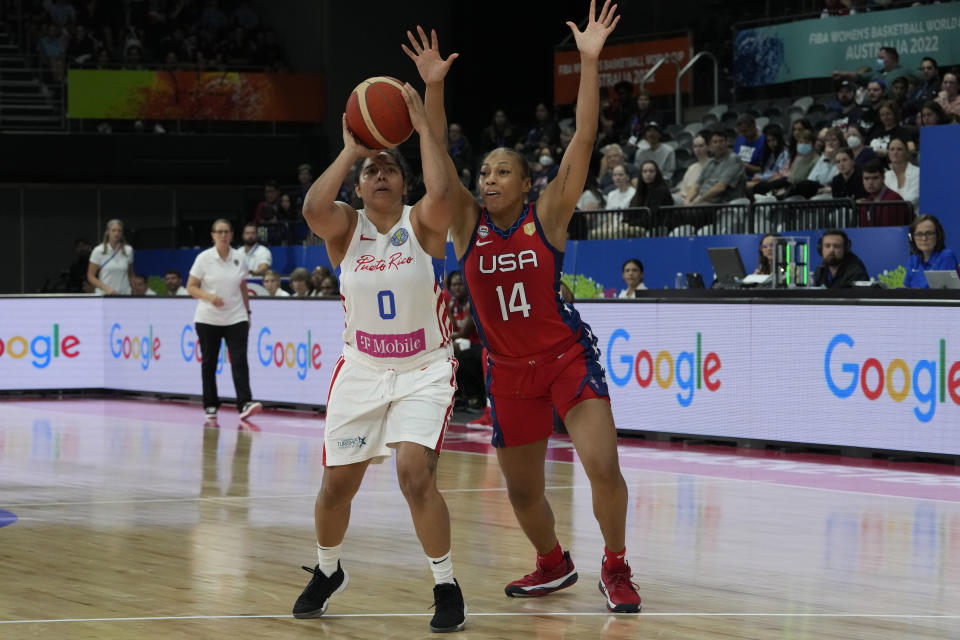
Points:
(524, 391)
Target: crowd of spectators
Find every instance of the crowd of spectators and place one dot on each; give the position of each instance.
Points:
(139, 34)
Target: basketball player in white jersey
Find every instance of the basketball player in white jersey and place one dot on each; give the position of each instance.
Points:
(393, 387)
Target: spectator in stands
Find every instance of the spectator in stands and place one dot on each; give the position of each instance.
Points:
(841, 267)
(544, 132)
(848, 183)
(949, 97)
(623, 191)
(862, 153)
(329, 287)
(723, 178)
(270, 194)
(765, 254)
(256, 256)
(499, 133)
(876, 95)
(660, 154)
(845, 111)
(613, 157)
(688, 185)
(925, 90)
(624, 105)
(285, 210)
(304, 181)
(542, 171)
(802, 124)
(316, 278)
(77, 274)
(174, 283)
(833, 8)
(111, 262)
(82, 48)
(820, 178)
(238, 50)
(632, 272)
(634, 133)
(592, 197)
(887, 68)
(889, 129)
(749, 144)
(461, 151)
(466, 345)
(245, 16)
(902, 176)
(898, 92)
(61, 12)
(775, 159)
(271, 282)
(652, 190)
(300, 283)
(869, 212)
(52, 48)
(800, 168)
(138, 286)
(932, 114)
(928, 251)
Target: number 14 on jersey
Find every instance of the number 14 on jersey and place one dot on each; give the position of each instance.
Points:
(518, 301)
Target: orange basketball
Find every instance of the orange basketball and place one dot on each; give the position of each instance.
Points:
(377, 115)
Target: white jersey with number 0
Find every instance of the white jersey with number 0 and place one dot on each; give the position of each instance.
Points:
(395, 315)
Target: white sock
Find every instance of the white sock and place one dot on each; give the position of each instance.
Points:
(328, 558)
(442, 568)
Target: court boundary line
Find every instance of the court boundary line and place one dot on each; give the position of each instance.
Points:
(663, 614)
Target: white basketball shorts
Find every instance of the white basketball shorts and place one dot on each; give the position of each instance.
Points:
(370, 411)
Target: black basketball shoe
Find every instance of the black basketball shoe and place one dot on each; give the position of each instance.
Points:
(450, 613)
(313, 602)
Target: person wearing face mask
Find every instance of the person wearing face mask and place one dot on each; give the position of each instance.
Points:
(928, 251)
(661, 154)
(862, 153)
(256, 256)
(544, 170)
(886, 67)
(799, 169)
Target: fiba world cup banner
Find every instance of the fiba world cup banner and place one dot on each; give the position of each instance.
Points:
(191, 95)
(815, 48)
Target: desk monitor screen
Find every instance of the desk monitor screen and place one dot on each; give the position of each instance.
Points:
(943, 279)
(727, 265)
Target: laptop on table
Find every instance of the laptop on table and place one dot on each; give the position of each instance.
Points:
(728, 266)
(948, 279)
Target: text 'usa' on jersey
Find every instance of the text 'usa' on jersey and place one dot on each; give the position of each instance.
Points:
(513, 281)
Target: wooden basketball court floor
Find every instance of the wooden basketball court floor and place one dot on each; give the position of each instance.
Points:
(129, 519)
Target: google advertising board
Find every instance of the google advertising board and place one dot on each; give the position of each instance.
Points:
(51, 343)
(872, 376)
(864, 376)
(150, 344)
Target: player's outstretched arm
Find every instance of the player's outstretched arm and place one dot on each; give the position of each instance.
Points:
(328, 218)
(557, 202)
(448, 192)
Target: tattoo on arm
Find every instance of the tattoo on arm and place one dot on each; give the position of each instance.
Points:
(563, 186)
(432, 457)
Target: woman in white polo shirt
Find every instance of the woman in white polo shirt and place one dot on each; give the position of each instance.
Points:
(111, 263)
(218, 281)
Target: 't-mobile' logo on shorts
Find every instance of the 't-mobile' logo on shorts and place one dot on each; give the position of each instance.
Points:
(352, 443)
(392, 345)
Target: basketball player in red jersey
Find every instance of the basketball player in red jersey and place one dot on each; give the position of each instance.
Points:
(540, 353)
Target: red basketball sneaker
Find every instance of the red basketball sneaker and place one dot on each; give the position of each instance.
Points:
(619, 590)
(544, 580)
(485, 420)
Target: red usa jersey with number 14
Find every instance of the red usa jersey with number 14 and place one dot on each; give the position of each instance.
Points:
(513, 281)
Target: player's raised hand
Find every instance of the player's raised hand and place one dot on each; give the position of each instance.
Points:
(426, 54)
(352, 145)
(590, 40)
(418, 113)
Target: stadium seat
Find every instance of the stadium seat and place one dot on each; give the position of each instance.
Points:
(693, 129)
(804, 103)
(772, 112)
(709, 120)
(718, 110)
(685, 140)
(729, 117)
(682, 230)
(762, 121)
